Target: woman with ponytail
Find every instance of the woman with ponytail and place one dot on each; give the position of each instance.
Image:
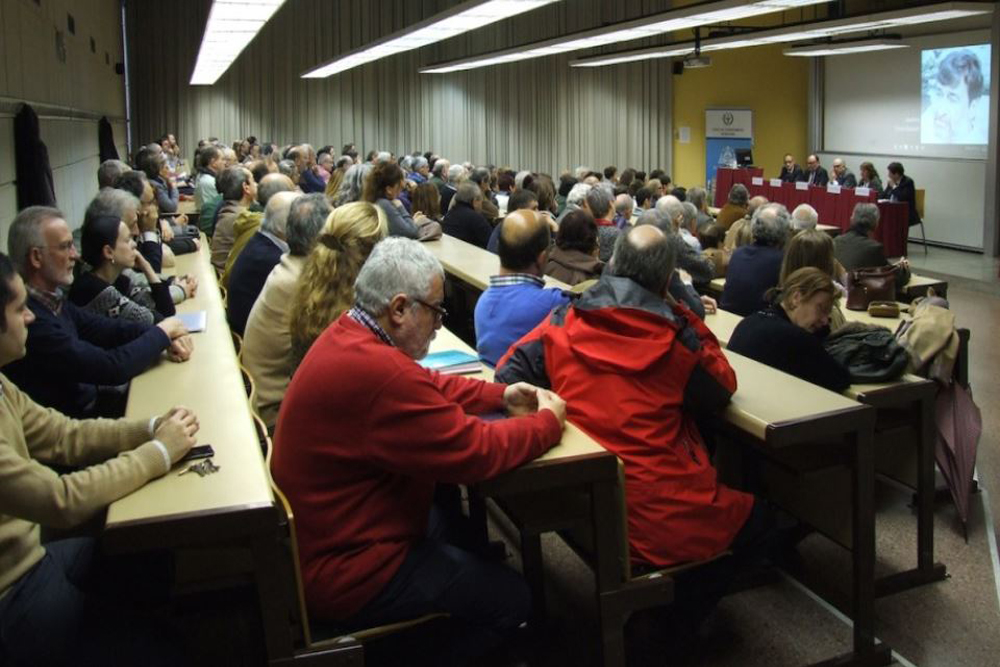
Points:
(326, 286)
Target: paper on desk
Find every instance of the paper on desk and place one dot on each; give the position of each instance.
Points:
(862, 192)
(775, 182)
(757, 180)
(194, 322)
(833, 188)
(801, 185)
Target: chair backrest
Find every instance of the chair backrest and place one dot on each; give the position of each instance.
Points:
(249, 387)
(263, 437)
(920, 193)
(237, 343)
(289, 515)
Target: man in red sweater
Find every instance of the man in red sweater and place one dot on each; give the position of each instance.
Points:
(365, 434)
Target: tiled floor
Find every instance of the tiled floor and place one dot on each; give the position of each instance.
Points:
(953, 622)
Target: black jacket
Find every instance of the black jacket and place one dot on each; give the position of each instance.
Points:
(821, 179)
(31, 162)
(905, 191)
(753, 270)
(770, 337)
(792, 175)
(106, 140)
(463, 222)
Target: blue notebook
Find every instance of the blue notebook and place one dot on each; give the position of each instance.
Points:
(452, 362)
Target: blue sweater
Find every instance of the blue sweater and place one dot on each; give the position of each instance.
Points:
(70, 353)
(250, 272)
(505, 313)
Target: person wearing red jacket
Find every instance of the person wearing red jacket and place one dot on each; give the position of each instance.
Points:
(363, 436)
(636, 369)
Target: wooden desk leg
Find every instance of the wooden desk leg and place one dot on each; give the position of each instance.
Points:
(865, 651)
(927, 571)
(607, 570)
(271, 598)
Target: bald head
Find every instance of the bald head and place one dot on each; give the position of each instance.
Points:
(271, 185)
(646, 256)
(524, 242)
(623, 206)
(276, 213)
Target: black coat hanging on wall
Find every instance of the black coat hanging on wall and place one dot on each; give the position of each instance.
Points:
(31, 160)
(106, 140)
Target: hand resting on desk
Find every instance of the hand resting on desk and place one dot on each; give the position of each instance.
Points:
(176, 430)
(522, 398)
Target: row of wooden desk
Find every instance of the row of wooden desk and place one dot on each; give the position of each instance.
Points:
(231, 508)
(781, 414)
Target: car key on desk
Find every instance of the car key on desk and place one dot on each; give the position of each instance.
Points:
(205, 467)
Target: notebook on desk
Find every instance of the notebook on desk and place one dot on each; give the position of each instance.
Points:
(452, 362)
(194, 322)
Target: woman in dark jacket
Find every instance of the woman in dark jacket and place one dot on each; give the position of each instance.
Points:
(107, 289)
(785, 335)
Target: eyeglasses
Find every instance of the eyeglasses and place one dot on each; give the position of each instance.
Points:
(439, 312)
(65, 246)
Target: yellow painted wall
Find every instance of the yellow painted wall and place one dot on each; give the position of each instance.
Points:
(774, 86)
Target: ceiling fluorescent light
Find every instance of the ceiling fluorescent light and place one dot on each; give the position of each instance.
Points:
(844, 48)
(231, 26)
(803, 32)
(460, 19)
(679, 19)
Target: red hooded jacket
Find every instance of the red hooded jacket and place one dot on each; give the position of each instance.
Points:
(635, 372)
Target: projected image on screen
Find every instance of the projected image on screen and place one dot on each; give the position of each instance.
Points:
(955, 85)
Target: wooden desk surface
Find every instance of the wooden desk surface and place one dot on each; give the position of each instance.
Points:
(211, 384)
(472, 264)
(574, 441)
(768, 400)
(187, 207)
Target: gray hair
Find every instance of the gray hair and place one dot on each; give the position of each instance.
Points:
(382, 157)
(581, 172)
(519, 179)
(441, 168)
(770, 225)
(287, 167)
(671, 206)
(650, 265)
(396, 266)
(111, 202)
(598, 201)
(456, 172)
(865, 217)
(657, 218)
(468, 192)
(418, 163)
(353, 184)
(26, 233)
(306, 218)
(697, 196)
(406, 163)
(344, 161)
(231, 181)
(739, 195)
(804, 217)
(276, 213)
(578, 195)
(109, 171)
(690, 214)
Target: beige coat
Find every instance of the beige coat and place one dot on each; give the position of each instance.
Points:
(267, 341)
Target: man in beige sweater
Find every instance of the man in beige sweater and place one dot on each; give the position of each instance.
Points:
(47, 615)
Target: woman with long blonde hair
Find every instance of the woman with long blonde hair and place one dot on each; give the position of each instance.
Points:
(326, 286)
